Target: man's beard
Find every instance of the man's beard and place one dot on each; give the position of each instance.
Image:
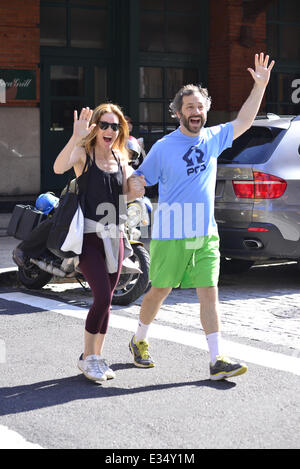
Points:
(185, 122)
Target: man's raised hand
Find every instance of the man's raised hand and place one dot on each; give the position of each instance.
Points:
(262, 72)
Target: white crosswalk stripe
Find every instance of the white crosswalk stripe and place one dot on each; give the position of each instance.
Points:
(10, 439)
(247, 353)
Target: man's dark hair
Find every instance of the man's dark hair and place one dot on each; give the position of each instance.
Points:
(187, 90)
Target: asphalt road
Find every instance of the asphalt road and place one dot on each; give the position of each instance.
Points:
(174, 406)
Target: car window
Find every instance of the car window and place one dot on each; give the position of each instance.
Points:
(253, 147)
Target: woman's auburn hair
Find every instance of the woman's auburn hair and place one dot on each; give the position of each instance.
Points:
(120, 144)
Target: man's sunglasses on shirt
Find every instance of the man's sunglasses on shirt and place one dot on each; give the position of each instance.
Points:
(104, 126)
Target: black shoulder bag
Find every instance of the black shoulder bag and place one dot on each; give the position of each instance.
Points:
(66, 233)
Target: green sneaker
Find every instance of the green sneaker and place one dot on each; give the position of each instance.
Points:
(141, 356)
(225, 368)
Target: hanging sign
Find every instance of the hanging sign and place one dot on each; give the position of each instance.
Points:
(17, 85)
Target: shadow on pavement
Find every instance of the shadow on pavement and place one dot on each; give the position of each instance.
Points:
(24, 398)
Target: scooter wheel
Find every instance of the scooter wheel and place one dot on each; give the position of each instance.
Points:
(33, 278)
(131, 286)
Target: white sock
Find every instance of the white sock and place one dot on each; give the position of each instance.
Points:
(213, 341)
(141, 332)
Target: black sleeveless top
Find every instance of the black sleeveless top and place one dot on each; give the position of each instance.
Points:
(103, 191)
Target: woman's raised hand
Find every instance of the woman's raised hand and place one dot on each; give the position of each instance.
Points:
(81, 127)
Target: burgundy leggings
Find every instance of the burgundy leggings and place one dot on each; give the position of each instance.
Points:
(93, 266)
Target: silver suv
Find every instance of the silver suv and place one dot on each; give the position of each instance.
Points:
(257, 204)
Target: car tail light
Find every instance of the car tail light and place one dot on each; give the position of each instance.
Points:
(254, 228)
(263, 186)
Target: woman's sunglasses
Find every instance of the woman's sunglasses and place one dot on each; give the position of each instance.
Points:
(104, 125)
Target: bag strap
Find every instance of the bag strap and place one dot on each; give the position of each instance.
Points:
(116, 158)
(87, 166)
(71, 178)
(87, 162)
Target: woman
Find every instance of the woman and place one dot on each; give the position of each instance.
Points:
(99, 143)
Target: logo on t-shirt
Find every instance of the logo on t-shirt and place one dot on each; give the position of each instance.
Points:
(194, 167)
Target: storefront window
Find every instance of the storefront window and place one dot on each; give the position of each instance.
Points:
(177, 77)
(158, 86)
(152, 4)
(74, 23)
(179, 5)
(290, 11)
(283, 44)
(98, 3)
(151, 82)
(66, 80)
(53, 28)
(184, 34)
(170, 26)
(151, 112)
(100, 79)
(290, 41)
(283, 29)
(152, 32)
(62, 114)
(88, 28)
(284, 93)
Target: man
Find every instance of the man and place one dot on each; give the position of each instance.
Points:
(184, 249)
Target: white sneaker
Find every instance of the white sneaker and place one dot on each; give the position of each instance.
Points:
(110, 374)
(91, 369)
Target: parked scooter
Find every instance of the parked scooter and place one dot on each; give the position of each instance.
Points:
(36, 273)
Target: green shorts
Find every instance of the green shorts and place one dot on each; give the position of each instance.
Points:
(188, 263)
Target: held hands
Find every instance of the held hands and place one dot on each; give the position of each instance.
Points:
(136, 185)
(81, 126)
(262, 72)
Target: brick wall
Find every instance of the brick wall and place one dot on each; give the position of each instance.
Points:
(20, 42)
(234, 40)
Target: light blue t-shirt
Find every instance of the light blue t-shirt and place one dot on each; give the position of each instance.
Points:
(185, 169)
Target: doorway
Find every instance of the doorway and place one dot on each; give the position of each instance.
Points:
(67, 84)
